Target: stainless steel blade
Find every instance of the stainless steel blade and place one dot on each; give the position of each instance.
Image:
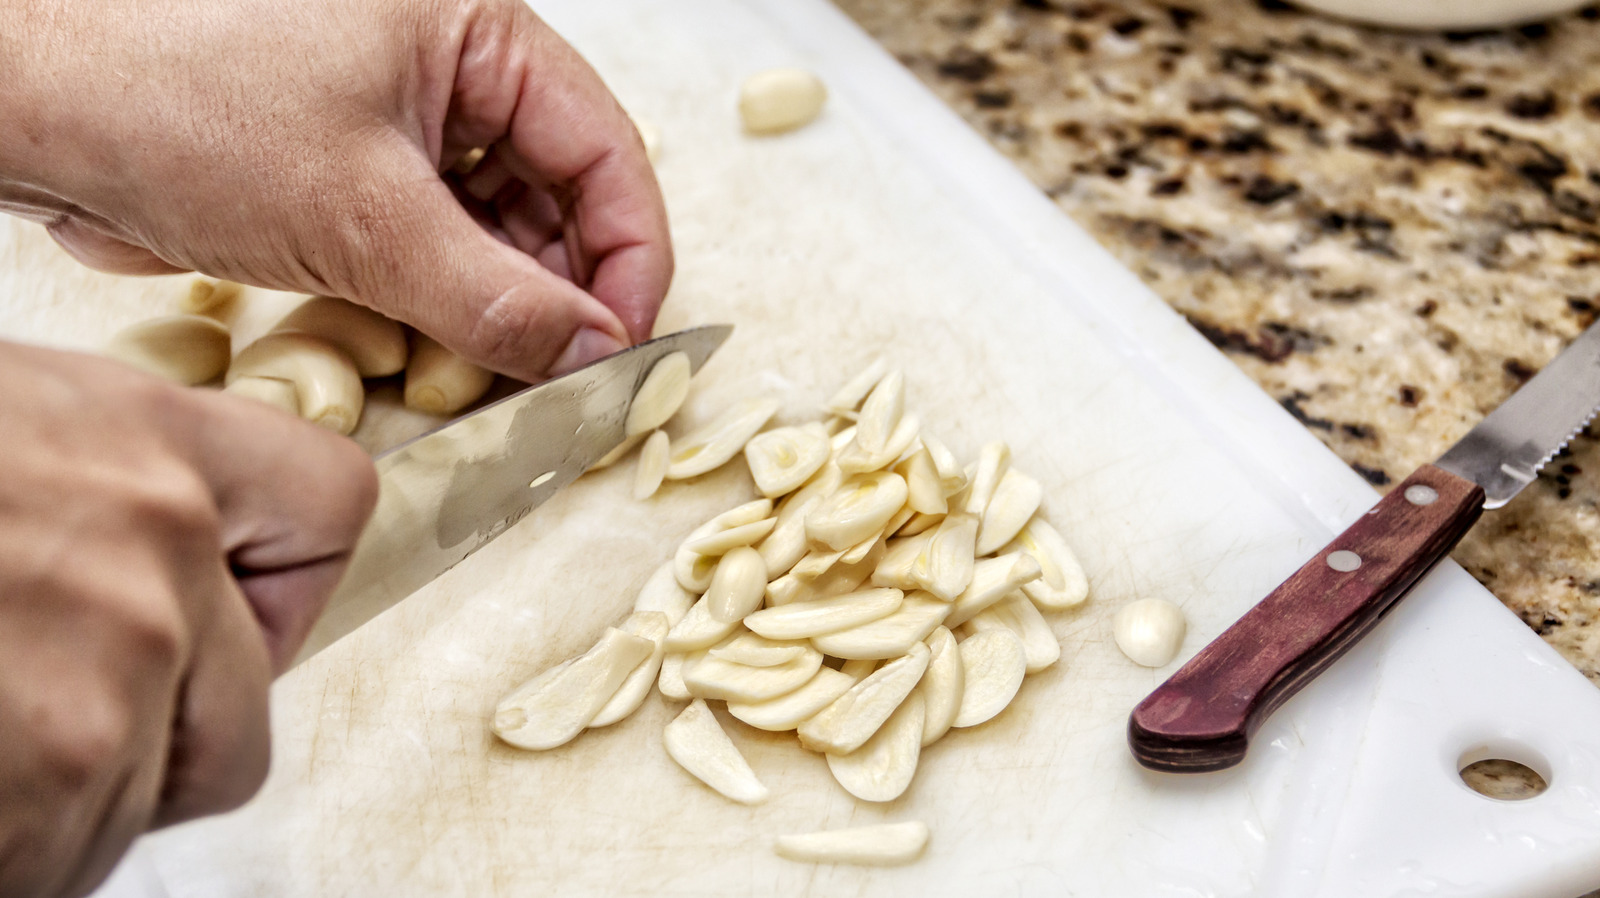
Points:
(448, 493)
(1505, 451)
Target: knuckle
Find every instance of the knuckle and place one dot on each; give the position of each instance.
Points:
(512, 334)
(79, 738)
(172, 499)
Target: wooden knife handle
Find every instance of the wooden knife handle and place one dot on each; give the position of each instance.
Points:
(1202, 718)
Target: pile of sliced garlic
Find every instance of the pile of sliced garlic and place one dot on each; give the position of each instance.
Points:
(877, 595)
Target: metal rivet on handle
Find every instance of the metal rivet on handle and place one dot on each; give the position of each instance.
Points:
(1344, 560)
(1421, 494)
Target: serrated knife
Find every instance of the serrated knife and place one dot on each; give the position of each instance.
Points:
(1202, 718)
(450, 492)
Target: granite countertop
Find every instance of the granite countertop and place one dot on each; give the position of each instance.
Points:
(1389, 232)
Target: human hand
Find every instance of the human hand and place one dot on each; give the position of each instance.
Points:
(298, 146)
(163, 553)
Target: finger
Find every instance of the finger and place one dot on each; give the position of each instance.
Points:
(103, 252)
(520, 84)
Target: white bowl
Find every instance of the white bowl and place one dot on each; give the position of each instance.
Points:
(1454, 15)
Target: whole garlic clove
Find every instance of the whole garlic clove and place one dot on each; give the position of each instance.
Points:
(555, 706)
(440, 382)
(326, 382)
(274, 392)
(1149, 631)
(186, 349)
(779, 100)
(376, 344)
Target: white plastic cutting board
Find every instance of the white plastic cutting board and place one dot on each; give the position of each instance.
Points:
(889, 227)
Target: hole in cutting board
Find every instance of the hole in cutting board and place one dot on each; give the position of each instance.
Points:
(1504, 772)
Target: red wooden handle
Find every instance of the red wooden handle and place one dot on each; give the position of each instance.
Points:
(1202, 718)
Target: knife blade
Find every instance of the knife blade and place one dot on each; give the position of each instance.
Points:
(1202, 718)
(450, 492)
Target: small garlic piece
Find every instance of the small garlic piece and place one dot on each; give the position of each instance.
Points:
(737, 585)
(890, 636)
(555, 706)
(660, 395)
(921, 523)
(779, 100)
(753, 650)
(791, 709)
(698, 630)
(670, 682)
(943, 685)
(924, 490)
(847, 723)
(884, 845)
(803, 620)
(787, 544)
(883, 768)
(848, 398)
(724, 541)
(376, 344)
(881, 413)
(187, 349)
(783, 459)
(861, 507)
(855, 459)
(1149, 631)
(952, 477)
(439, 382)
(1015, 500)
(993, 664)
(650, 136)
(652, 467)
(696, 741)
(713, 445)
(993, 460)
(900, 562)
(992, 580)
(274, 392)
(1061, 584)
(326, 382)
(1015, 613)
(651, 625)
(616, 454)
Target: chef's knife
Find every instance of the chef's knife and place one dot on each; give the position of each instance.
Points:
(448, 493)
(1203, 716)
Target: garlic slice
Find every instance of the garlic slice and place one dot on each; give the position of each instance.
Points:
(786, 590)
(617, 454)
(789, 710)
(737, 586)
(859, 552)
(852, 718)
(858, 670)
(848, 397)
(883, 768)
(803, 620)
(555, 706)
(950, 557)
(1015, 613)
(921, 523)
(952, 477)
(1015, 500)
(660, 394)
(843, 578)
(924, 491)
(815, 564)
(325, 380)
(890, 636)
(898, 566)
(854, 459)
(670, 682)
(884, 845)
(993, 663)
(652, 467)
(187, 349)
(732, 538)
(274, 392)
(881, 412)
(781, 460)
(696, 741)
(713, 677)
(694, 570)
(787, 544)
(861, 507)
(753, 650)
(376, 344)
(992, 579)
(1061, 583)
(698, 629)
(440, 382)
(942, 686)
(662, 592)
(651, 625)
(993, 460)
(1150, 631)
(713, 445)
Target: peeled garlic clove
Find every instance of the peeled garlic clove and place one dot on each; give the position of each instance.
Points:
(549, 710)
(890, 636)
(854, 459)
(651, 625)
(1061, 583)
(943, 685)
(696, 741)
(803, 620)
(899, 563)
(924, 491)
(1150, 631)
(713, 677)
(652, 466)
(787, 543)
(274, 392)
(376, 344)
(921, 523)
(753, 650)
(783, 459)
(993, 664)
(993, 461)
(698, 630)
(952, 477)
(662, 592)
(951, 556)
(439, 382)
(205, 296)
(326, 382)
(660, 395)
(722, 541)
(1017, 614)
(737, 585)
(861, 508)
(881, 412)
(883, 768)
(670, 682)
(848, 398)
(884, 845)
(616, 455)
(712, 446)
(780, 100)
(852, 718)
(789, 710)
(187, 349)
(694, 570)
(1015, 500)
(992, 580)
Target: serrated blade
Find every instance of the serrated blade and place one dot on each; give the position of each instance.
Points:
(1505, 451)
(448, 493)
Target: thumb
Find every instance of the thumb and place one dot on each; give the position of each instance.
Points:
(421, 258)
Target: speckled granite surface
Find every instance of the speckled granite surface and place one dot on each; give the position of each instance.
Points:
(1389, 232)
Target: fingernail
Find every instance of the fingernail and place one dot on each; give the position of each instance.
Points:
(587, 345)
